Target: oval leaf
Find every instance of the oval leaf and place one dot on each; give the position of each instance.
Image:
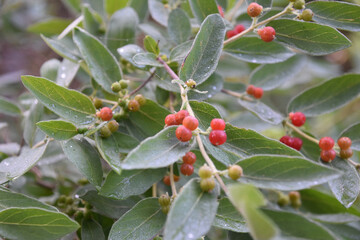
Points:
(192, 213)
(102, 64)
(91, 230)
(64, 48)
(179, 26)
(312, 38)
(353, 132)
(58, 129)
(204, 55)
(211, 86)
(69, 104)
(202, 8)
(148, 59)
(9, 108)
(327, 96)
(158, 11)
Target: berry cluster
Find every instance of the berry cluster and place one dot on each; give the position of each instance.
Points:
(292, 142)
(187, 167)
(297, 119)
(254, 9)
(267, 34)
(189, 124)
(217, 135)
(235, 172)
(207, 182)
(345, 150)
(237, 29)
(255, 91)
(165, 202)
(327, 153)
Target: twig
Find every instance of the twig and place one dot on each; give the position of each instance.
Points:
(238, 95)
(141, 86)
(154, 192)
(39, 144)
(172, 182)
(301, 133)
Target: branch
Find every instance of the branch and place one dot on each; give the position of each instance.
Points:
(237, 95)
(141, 86)
(172, 182)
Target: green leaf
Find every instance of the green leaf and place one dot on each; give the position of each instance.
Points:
(67, 72)
(34, 224)
(346, 232)
(141, 7)
(295, 226)
(9, 108)
(31, 118)
(227, 217)
(131, 182)
(121, 29)
(87, 160)
(90, 22)
(179, 52)
(49, 27)
(262, 111)
(247, 199)
(271, 76)
(64, 48)
(102, 64)
(158, 11)
(179, 26)
(337, 14)
(148, 59)
(69, 104)
(334, 218)
(327, 96)
(14, 167)
(347, 187)
(202, 8)
(110, 148)
(311, 38)
(168, 150)
(192, 213)
(205, 52)
(112, 6)
(91, 230)
(204, 112)
(58, 129)
(106, 206)
(211, 86)
(129, 51)
(352, 132)
(282, 172)
(142, 222)
(310, 149)
(16, 200)
(151, 45)
(255, 50)
(264, 3)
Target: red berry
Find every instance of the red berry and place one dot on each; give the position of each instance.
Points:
(230, 33)
(344, 143)
(217, 137)
(183, 134)
(346, 153)
(326, 143)
(176, 178)
(180, 115)
(191, 123)
(166, 180)
(239, 28)
(170, 120)
(298, 119)
(258, 93)
(250, 89)
(296, 143)
(217, 124)
(328, 155)
(187, 169)
(267, 34)
(221, 11)
(287, 140)
(254, 9)
(106, 114)
(189, 158)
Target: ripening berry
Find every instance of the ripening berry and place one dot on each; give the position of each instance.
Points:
(235, 172)
(166, 180)
(344, 143)
(298, 118)
(205, 172)
(180, 115)
(239, 28)
(97, 103)
(217, 124)
(189, 158)
(346, 153)
(328, 155)
(230, 33)
(187, 169)
(258, 93)
(190, 123)
(267, 34)
(221, 11)
(217, 137)
(254, 9)
(296, 143)
(283, 200)
(294, 196)
(116, 87)
(326, 143)
(183, 134)
(141, 99)
(170, 120)
(306, 15)
(105, 132)
(176, 178)
(113, 126)
(250, 89)
(106, 114)
(207, 184)
(133, 105)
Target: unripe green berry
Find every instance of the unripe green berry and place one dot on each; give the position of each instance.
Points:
(113, 126)
(207, 184)
(141, 99)
(235, 172)
(191, 83)
(62, 199)
(283, 200)
(165, 209)
(123, 83)
(296, 204)
(299, 4)
(83, 181)
(122, 102)
(205, 172)
(105, 132)
(133, 105)
(307, 15)
(97, 103)
(158, 238)
(70, 212)
(115, 87)
(69, 200)
(164, 200)
(82, 130)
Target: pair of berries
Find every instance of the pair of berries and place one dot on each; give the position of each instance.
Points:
(189, 124)
(255, 91)
(217, 135)
(327, 153)
(237, 29)
(207, 182)
(345, 150)
(187, 167)
(297, 119)
(135, 104)
(165, 202)
(111, 127)
(292, 142)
